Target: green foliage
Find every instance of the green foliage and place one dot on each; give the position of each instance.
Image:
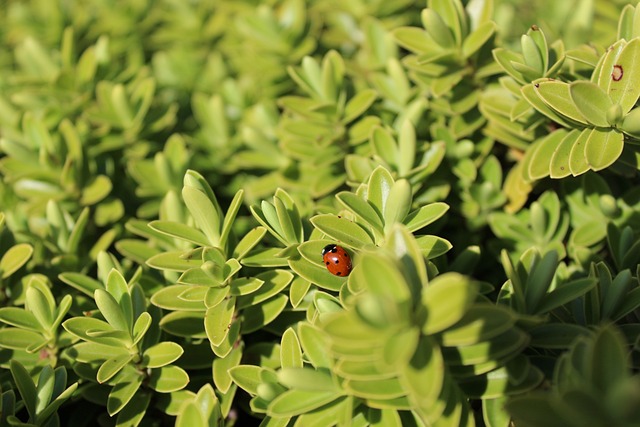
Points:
(171, 172)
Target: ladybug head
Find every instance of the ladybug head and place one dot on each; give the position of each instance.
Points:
(329, 248)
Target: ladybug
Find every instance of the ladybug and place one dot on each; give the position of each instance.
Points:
(337, 260)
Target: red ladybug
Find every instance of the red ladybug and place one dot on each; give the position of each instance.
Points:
(337, 260)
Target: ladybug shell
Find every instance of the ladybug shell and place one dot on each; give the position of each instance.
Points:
(337, 260)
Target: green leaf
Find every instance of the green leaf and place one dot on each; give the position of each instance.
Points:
(557, 95)
(603, 148)
(437, 29)
(306, 379)
(122, 393)
(359, 104)
(314, 344)
(446, 300)
(255, 317)
(173, 261)
(433, 246)
(621, 75)
(494, 413)
(389, 388)
(168, 379)
(295, 402)
(21, 339)
(180, 231)
(481, 322)
(423, 376)
(112, 366)
(222, 366)
(184, 324)
(247, 377)
(248, 242)
(40, 307)
(341, 229)
(537, 163)
(84, 284)
(560, 167)
(134, 410)
(14, 258)
(273, 282)
(111, 311)
(379, 186)
(162, 354)
(556, 335)
(204, 212)
(425, 215)
(95, 330)
(398, 203)
(96, 190)
(413, 39)
(19, 317)
(474, 41)
(564, 294)
(190, 416)
(218, 319)
(290, 351)
(361, 208)
(591, 101)
(608, 362)
(25, 386)
(577, 159)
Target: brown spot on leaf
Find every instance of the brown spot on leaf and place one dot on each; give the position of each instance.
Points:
(617, 73)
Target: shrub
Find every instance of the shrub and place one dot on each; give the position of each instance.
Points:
(171, 172)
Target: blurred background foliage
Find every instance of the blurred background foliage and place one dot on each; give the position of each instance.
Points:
(171, 170)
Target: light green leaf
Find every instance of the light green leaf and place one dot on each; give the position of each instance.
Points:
(204, 212)
(557, 95)
(25, 386)
(111, 311)
(425, 215)
(307, 379)
(559, 167)
(290, 351)
(361, 208)
(180, 231)
(14, 258)
(112, 366)
(608, 362)
(168, 379)
(314, 344)
(359, 104)
(446, 300)
(38, 305)
(341, 229)
(398, 203)
(481, 322)
(622, 74)
(592, 102)
(474, 41)
(247, 377)
(255, 317)
(577, 159)
(122, 393)
(222, 366)
(162, 354)
(603, 147)
(218, 319)
(295, 402)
